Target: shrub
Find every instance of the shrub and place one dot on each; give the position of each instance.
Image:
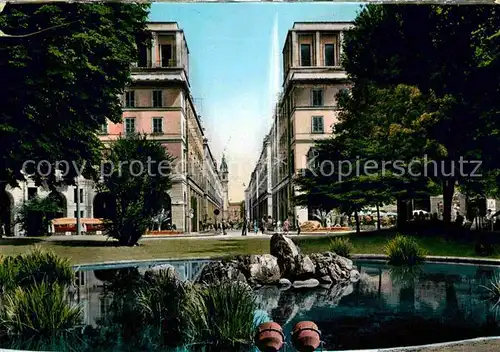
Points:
(35, 215)
(162, 301)
(342, 246)
(494, 290)
(222, 315)
(40, 310)
(35, 267)
(404, 250)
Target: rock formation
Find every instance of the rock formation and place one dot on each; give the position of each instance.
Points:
(285, 267)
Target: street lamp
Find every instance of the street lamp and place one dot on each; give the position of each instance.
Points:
(78, 230)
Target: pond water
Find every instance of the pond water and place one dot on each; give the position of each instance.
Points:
(387, 307)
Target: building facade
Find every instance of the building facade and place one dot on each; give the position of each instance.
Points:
(158, 103)
(234, 213)
(260, 185)
(306, 111)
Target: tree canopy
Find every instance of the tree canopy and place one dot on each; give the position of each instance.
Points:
(137, 175)
(425, 80)
(61, 84)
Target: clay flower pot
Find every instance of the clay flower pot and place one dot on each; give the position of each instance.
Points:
(306, 336)
(269, 337)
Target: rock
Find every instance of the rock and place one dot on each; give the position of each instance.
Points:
(354, 276)
(338, 268)
(221, 271)
(285, 282)
(264, 269)
(286, 253)
(325, 279)
(162, 267)
(306, 283)
(344, 263)
(304, 268)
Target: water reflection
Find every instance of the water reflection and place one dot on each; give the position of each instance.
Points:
(387, 307)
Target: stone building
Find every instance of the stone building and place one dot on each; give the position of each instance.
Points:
(306, 111)
(159, 103)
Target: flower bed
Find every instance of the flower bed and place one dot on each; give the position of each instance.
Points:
(165, 232)
(331, 229)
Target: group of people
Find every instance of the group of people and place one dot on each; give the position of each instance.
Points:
(268, 225)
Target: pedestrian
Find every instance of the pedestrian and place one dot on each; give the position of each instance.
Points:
(224, 226)
(298, 225)
(286, 226)
(244, 228)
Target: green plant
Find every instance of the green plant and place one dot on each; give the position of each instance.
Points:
(40, 310)
(222, 314)
(404, 250)
(342, 246)
(136, 198)
(35, 267)
(161, 301)
(494, 290)
(35, 215)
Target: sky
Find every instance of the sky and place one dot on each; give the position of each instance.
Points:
(236, 69)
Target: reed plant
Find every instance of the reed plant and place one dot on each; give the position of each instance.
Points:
(39, 310)
(403, 250)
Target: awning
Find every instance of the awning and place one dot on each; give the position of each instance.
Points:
(72, 221)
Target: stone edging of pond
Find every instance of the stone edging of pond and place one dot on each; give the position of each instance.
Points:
(430, 346)
(438, 259)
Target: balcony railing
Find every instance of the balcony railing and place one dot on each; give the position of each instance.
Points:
(155, 64)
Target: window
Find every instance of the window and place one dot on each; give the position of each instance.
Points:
(157, 125)
(104, 129)
(157, 99)
(32, 192)
(317, 124)
(317, 97)
(130, 99)
(305, 54)
(81, 195)
(81, 214)
(329, 55)
(143, 56)
(129, 125)
(166, 55)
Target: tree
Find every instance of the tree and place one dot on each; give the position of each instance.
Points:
(35, 215)
(460, 116)
(137, 174)
(63, 83)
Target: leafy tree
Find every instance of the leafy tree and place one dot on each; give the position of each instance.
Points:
(138, 176)
(35, 215)
(63, 82)
(450, 55)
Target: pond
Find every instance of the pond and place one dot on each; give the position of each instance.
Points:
(387, 307)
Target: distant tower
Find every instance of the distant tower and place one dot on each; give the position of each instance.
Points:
(223, 173)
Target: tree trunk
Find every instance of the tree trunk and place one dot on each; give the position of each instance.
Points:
(356, 217)
(402, 214)
(378, 217)
(448, 190)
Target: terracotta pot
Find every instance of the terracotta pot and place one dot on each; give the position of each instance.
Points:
(269, 337)
(306, 336)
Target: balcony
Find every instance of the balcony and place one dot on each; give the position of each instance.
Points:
(158, 64)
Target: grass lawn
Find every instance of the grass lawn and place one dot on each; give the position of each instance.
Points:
(95, 251)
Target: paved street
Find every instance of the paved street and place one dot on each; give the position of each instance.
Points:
(230, 234)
